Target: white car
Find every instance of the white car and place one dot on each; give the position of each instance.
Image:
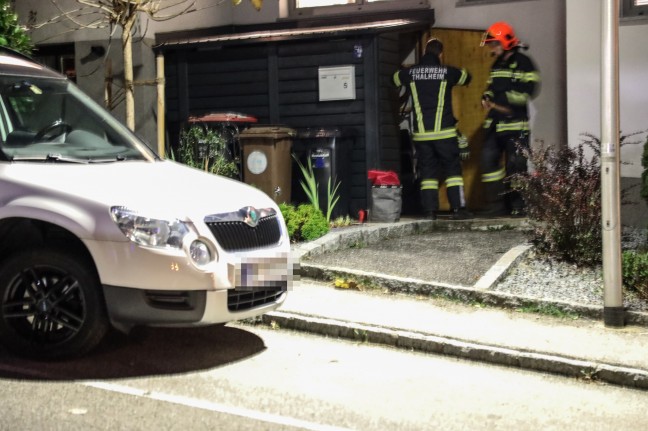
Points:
(97, 231)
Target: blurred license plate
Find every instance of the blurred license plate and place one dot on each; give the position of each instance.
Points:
(265, 273)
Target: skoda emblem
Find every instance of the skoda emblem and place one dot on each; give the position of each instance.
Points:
(251, 216)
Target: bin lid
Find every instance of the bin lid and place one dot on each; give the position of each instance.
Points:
(268, 131)
(223, 117)
(319, 132)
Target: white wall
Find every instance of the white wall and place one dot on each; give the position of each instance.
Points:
(584, 79)
(209, 13)
(244, 13)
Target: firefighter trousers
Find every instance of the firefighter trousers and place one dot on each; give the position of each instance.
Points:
(496, 176)
(439, 160)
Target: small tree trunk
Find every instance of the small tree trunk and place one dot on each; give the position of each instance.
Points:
(129, 88)
(108, 81)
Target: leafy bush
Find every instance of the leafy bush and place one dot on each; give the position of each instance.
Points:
(635, 272)
(289, 214)
(206, 148)
(12, 34)
(644, 174)
(315, 223)
(304, 223)
(341, 221)
(563, 199)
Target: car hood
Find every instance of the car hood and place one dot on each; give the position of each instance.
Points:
(161, 189)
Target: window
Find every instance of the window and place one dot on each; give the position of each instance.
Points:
(316, 3)
(59, 57)
(634, 8)
(482, 2)
(299, 8)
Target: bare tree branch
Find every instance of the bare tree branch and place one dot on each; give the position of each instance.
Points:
(123, 14)
(186, 10)
(109, 9)
(117, 12)
(71, 15)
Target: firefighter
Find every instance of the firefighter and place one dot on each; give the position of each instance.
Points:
(513, 81)
(434, 131)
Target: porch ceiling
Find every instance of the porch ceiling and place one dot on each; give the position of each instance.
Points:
(293, 30)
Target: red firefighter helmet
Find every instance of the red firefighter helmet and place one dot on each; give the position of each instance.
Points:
(503, 33)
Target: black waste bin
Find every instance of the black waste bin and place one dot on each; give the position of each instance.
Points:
(329, 151)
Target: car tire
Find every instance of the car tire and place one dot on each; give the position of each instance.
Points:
(51, 305)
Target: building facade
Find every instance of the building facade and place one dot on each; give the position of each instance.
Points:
(228, 58)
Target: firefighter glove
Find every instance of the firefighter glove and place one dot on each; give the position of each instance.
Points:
(464, 150)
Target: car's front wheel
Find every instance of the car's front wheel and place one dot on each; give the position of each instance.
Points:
(51, 305)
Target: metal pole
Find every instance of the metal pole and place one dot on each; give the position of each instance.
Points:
(160, 105)
(613, 312)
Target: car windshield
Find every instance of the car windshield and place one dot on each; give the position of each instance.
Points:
(44, 119)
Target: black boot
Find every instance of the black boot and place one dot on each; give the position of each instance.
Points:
(517, 204)
(462, 214)
(430, 203)
(495, 205)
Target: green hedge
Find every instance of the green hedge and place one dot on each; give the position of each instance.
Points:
(305, 222)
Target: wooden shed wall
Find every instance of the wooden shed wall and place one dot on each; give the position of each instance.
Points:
(277, 82)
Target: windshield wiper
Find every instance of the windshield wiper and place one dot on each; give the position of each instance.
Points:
(51, 157)
(56, 157)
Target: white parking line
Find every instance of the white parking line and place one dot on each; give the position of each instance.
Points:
(214, 407)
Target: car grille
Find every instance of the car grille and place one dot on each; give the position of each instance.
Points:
(238, 235)
(245, 300)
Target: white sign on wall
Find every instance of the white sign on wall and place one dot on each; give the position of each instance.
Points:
(337, 83)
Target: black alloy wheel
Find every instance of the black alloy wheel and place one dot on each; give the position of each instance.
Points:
(51, 305)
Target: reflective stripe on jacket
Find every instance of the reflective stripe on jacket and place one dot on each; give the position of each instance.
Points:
(512, 83)
(430, 84)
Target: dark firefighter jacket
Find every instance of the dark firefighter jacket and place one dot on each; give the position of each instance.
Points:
(430, 84)
(512, 83)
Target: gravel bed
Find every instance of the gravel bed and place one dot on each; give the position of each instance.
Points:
(536, 277)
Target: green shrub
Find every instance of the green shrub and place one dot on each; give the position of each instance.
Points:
(12, 34)
(288, 212)
(563, 200)
(315, 223)
(206, 148)
(644, 174)
(304, 223)
(635, 272)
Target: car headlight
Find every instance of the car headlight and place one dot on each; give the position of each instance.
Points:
(148, 231)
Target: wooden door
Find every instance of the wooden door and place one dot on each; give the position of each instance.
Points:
(461, 49)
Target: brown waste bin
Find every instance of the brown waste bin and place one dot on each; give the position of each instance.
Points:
(266, 160)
